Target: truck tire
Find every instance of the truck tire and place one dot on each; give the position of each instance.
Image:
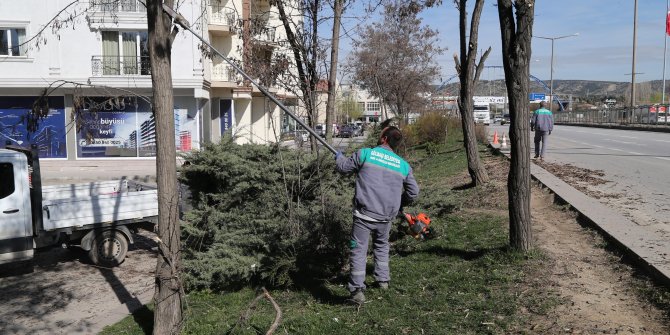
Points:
(109, 248)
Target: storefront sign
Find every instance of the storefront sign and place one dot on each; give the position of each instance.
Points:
(49, 137)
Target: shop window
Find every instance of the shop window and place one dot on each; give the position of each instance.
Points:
(7, 186)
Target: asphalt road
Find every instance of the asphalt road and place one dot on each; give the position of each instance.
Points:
(636, 165)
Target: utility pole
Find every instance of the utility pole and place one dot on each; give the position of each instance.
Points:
(551, 80)
(665, 50)
(632, 75)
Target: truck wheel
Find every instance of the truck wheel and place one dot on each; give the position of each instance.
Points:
(109, 248)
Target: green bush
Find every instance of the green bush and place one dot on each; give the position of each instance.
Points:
(430, 128)
(263, 215)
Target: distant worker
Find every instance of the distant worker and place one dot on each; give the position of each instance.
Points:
(542, 123)
(384, 182)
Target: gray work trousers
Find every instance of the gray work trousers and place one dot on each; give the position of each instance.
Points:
(360, 235)
(541, 136)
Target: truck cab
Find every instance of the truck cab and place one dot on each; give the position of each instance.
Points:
(16, 229)
(482, 113)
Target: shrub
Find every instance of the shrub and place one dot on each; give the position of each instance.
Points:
(431, 128)
(481, 133)
(263, 215)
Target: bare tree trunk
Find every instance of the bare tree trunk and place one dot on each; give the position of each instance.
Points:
(516, 50)
(468, 78)
(168, 296)
(332, 76)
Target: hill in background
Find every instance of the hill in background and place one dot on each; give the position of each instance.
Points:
(581, 90)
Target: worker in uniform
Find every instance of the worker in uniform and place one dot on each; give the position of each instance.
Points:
(384, 182)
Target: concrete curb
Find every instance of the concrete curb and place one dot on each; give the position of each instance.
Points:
(651, 252)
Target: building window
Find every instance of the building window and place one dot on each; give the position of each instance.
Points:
(11, 42)
(361, 106)
(373, 107)
(123, 53)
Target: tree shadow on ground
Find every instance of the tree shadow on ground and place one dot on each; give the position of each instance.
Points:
(144, 317)
(463, 187)
(466, 255)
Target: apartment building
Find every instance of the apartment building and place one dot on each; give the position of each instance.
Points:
(98, 72)
(369, 105)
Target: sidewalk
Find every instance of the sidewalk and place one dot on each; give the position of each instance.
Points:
(645, 248)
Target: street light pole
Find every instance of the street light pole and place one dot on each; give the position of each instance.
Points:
(632, 74)
(551, 79)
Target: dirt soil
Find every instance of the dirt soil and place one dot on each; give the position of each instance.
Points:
(62, 293)
(595, 292)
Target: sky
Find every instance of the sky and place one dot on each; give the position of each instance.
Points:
(602, 51)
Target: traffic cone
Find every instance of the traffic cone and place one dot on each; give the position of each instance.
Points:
(504, 141)
(495, 138)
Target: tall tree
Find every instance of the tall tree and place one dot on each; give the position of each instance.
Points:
(338, 6)
(302, 37)
(469, 75)
(395, 59)
(168, 297)
(516, 49)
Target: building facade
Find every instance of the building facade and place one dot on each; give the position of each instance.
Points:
(97, 74)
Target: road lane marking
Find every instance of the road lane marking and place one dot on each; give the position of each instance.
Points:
(661, 141)
(664, 158)
(624, 142)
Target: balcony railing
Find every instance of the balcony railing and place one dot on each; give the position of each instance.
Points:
(120, 66)
(223, 16)
(223, 73)
(115, 6)
(264, 34)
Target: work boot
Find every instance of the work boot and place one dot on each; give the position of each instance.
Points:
(536, 156)
(358, 297)
(384, 285)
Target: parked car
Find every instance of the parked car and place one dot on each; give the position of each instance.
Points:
(357, 130)
(301, 136)
(497, 119)
(320, 129)
(505, 119)
(347, 131)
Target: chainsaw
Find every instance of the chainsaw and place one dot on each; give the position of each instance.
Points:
(419, 226)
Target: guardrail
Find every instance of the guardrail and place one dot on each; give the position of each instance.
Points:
(120, 66)
(642, 115)
(221, 15)
(222, 72)
(264, 34)
(115, 6)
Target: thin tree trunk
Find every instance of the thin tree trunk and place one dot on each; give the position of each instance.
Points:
(516, 50)
(168, 295)
(468, 78)
(332, 76)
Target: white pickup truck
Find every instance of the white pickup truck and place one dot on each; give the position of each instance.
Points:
(99, 217)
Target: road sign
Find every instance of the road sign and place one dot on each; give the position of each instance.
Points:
(537, 96)
(652, 109)
(661, 109)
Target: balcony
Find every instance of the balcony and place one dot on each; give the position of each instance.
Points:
(116, 6)
(120, 66)
(222, 20)
(223, 76)
(264, 34)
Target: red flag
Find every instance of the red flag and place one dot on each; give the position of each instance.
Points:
(667, 24)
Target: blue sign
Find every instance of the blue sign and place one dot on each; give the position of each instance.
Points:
(50, 133)
(537, 96)
(226, 110)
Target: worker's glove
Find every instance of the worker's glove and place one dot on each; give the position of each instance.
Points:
(338, 155)
(532, 129)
